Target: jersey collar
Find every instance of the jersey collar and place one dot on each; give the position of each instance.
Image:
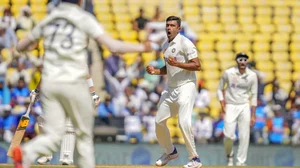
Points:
(176, 39)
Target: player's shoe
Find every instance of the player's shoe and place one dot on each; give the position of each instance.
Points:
(194, 163)
(240, 164)
(165, 158)
(66, 162)
(229, 160)
(44, 159)
(17, 157)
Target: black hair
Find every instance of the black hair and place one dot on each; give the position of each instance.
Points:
(177, 19)
(71, 1)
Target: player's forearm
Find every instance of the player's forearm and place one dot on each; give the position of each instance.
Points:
(161, 71)
(90, 83)
(253, 109)
(191, 66)
(26, 45)
(119, 46)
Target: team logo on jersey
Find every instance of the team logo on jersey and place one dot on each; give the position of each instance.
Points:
(173, 50)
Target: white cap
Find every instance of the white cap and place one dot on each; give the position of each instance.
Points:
(297, 101)
(144, 84)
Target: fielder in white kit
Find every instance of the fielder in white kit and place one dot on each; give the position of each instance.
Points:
(182, 61)
(241, 85)
(64, 91)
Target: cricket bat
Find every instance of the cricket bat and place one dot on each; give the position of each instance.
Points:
(19, 134)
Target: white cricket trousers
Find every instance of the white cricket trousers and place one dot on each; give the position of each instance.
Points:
(237, 115)
(59, 101)
(175, 101)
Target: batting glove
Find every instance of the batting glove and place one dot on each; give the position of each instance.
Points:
(36, 93)
(96, 99)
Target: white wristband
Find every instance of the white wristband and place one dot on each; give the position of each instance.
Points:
(90, 82)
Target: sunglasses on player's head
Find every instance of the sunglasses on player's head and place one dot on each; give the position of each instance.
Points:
(242, 60)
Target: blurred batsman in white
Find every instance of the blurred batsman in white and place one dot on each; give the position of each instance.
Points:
(239, 83)
(64, 91)
(68, 141)
(182, 61)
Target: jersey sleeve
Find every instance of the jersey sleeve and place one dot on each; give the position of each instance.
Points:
(93, 28)
(190, 50)
(36, 32)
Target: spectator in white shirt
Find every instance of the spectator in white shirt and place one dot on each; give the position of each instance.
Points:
(203, 97)
(203, 128)
(133, 124)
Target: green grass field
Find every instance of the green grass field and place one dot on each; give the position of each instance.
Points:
(130, 166)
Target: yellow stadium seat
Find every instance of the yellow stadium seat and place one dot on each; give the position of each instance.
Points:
(296, 75)
(281, 19)
(34, 53)
(260, 3)
(122, 18)
(295, 20)
(207, 2)
(6, 54)
(211, 75)
(21, 33)
(295, 11)
(265, 66)
(262, 37)
(294, 46)
(280, 46)
(198, 28)
(242, 3)
(102, 2)
(280, 56)
(104, 18)
(39, 8)
(191, 10)
(286, 85)
(268, 76)
(102, 9)
(244, 36)
(226, 3)
(296, 66)
(231, 28)
(108, 26)
(278, 3)
(206, 37)
(263, 19)
(285, 11)
(214, 27)
(210, 19)
(130, 58)
(224, 46)
(119, 9)
(19, 2)
(148, 57)
(263, 10)
(296, 37)
(225, 56)
(245, 10)
(245, 19)
(226, 36)
(123, 26)
(205, 46)
(227, 10)
(262, 56)
(194, 19)
(207, 55)
(41, 2)
(249, 28)
(207, 64)
(39, 16)
(285, 28)
(295, 56)
(212, 85)
(227, 64)
(283, 66)
(283, 75)
(242, 46)
(227, 19)
(129, 35)
(3, 3)
(118, 2)
(114, 34)
(190, 3)
(266, 28)
(261, 46)
(280, 37)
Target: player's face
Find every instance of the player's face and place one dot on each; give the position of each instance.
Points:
(242, 62)
(172, 29)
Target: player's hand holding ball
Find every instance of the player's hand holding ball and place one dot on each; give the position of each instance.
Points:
(150, 69)
(96, 99)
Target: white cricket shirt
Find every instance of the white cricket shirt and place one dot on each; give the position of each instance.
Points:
(183, 50)
(239, 87)
(66, 33)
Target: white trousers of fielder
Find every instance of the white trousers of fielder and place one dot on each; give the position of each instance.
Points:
(175, 101)
(237, 115)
